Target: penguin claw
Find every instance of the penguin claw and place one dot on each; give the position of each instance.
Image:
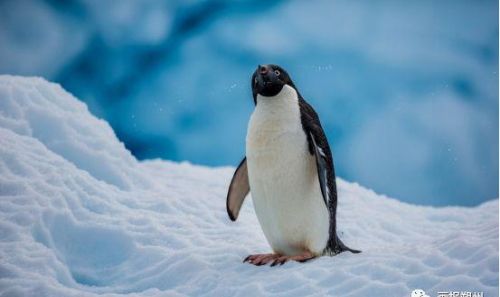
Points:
(299, 258)
(260, 259)
(276, 262)
(281, 260)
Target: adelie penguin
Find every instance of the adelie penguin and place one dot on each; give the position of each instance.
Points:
(289, 170)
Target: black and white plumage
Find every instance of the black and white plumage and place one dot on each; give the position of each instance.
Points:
(289, 169)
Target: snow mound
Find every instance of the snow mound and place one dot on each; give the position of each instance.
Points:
(80, 216)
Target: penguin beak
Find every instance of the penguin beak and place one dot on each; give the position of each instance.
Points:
(263, 69)
(264, 73)
(265, 77)
(267, 81)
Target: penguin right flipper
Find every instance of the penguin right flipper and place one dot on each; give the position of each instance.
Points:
(238, 190)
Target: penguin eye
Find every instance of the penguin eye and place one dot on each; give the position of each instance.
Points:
(277, 72)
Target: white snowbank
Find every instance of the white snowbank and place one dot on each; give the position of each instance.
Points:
(80, 216)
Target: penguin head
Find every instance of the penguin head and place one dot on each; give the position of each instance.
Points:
(268, 80)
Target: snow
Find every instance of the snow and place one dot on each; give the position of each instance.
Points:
(80, 216)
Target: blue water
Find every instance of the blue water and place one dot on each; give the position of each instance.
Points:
(407, 91)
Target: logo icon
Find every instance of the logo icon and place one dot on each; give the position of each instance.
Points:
(418, 293)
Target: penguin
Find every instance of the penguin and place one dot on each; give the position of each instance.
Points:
(289, 169)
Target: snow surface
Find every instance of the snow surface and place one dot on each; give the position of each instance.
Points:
(80, 216)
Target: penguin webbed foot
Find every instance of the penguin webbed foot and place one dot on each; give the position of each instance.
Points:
(261, 259)
(277, 259)
(304, 257)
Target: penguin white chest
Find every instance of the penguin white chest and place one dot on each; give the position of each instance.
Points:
(283, 177)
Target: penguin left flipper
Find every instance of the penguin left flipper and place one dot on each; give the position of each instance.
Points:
(318, 145)
(238, 190)
(321, 164)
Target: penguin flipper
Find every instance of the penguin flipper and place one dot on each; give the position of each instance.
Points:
(335, 245)
(321, 164)
(238, 190)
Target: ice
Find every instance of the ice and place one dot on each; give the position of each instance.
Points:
(80, 216)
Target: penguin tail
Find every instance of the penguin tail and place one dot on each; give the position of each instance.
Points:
(344, 248)
(338, 247)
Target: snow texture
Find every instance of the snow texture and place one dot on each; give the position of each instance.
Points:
(80, 216)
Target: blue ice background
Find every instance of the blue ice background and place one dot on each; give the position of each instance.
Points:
(407, 90)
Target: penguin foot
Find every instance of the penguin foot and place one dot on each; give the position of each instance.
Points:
(306, 256)
(261, 259)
